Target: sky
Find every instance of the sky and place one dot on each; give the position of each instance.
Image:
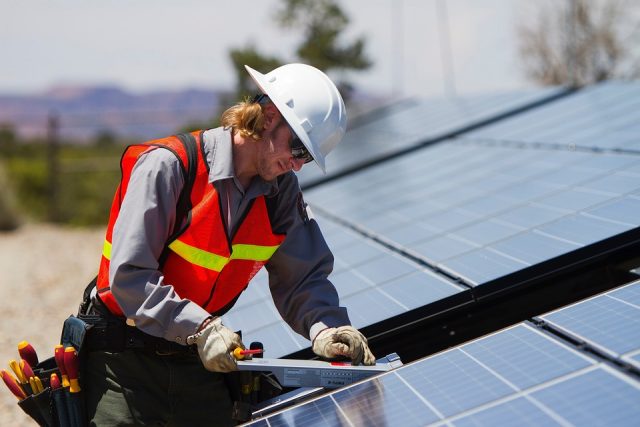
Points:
(144, 45)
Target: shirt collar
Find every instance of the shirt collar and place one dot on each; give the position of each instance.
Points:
(218, 150)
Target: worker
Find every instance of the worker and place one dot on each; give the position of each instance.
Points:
(188, 230)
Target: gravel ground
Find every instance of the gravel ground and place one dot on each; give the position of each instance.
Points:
(43, 271)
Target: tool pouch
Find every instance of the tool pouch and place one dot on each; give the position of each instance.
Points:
(38, 407)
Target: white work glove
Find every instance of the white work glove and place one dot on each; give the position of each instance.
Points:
(215, 346)
(343, 341)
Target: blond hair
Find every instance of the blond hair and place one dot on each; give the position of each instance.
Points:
(246, 118)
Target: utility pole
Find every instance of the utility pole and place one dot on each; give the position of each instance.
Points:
(446, 57)
(397, 47)
(53, 166)
(572, 44)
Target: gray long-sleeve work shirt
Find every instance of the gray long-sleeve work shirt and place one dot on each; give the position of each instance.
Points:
(298, 270)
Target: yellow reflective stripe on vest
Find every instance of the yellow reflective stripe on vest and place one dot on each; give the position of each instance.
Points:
(253, 252)
(216, 262)
(106, 250)
(198, 257)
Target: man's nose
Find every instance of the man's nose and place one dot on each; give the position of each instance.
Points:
(297, 164)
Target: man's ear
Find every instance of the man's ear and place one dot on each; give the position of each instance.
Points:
(271, 117)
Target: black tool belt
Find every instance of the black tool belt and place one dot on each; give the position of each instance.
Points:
(111, 333)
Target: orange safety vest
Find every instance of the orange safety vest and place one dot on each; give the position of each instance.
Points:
(202, 264)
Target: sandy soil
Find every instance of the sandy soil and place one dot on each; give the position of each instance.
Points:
(43, 271)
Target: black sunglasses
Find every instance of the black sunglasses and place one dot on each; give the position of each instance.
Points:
(298, 150)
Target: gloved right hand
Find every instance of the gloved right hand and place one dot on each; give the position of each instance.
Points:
(215, 346)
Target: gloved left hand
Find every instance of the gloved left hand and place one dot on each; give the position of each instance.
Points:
(343, 341)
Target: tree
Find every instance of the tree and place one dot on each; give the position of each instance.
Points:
(580, 42)
(322, 23)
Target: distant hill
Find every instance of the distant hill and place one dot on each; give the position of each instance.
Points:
(84, 112)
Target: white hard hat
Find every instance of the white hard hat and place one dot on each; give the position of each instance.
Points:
(311, 104)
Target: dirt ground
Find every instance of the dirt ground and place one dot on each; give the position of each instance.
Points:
(43, 271)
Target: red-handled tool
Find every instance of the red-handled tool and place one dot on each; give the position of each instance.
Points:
(59, 356)
(13, 385)
(71, 365)
(54, 381)
(240, 353)
(28, 353)
(26, 369)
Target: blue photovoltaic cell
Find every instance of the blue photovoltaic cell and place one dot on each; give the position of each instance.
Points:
(597, 397)
(629, 293)
(609, 321)
(481, 265)
(604, 116)
(581, 229)
(524, 357)
(454, 383)
(383, 402)
(316, 413)
(521, 411)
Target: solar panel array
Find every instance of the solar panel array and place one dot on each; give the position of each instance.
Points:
(521, 375)
(479, 208)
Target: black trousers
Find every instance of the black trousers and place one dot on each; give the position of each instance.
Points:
(139, 388)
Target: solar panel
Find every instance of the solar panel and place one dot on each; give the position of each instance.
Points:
(519, 372)
(604, 116)
(483, 211)
(372, 282)
(407, 123)
(610, 321)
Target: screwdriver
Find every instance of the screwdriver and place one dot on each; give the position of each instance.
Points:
(71, 365)
(13, 385)
(54, 381)
(59, 356)
(240, 354)
(15, 367)
(36, 385)
(28, 353)
(25, 367)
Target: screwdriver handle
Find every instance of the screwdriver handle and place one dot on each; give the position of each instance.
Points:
(240, 354)
(59, 356)
(13, 385)
(28, 353)
(71, 365)
(54, 381)
(15, 367)
(26, 369)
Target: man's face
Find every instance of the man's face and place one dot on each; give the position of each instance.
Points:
(275, 156)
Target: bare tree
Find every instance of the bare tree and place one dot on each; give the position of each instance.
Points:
(579, 42)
